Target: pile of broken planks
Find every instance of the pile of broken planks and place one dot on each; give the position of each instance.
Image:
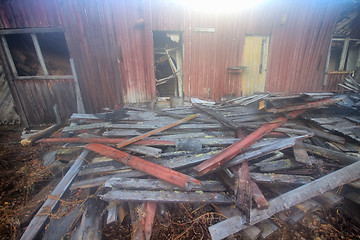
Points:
(256, 153)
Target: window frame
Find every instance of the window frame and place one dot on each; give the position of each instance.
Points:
(33, 32)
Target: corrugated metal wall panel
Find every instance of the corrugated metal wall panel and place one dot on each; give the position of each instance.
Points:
(333, 80)
(56, 92)
(114, 56)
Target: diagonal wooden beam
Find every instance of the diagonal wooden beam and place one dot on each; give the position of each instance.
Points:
(153, 169)
(228, 153)
(145, 135)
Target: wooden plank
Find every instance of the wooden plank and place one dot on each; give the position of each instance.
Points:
(236, 148)
(168, 197)
(224, 121)
(155, 184)
(58, 227)
(150, 168)
(278, 165)
(145, 135)
(142, 228)
(261, 151)
(324, 135)
(43, 133)
(331, 154)
(243, 191)
(267, 227)
(280, 178)
(145, 150)
(287, 200)
(111, 213)
(300, 153)
(39, 53)
(258, 196)
(320, 103)
(107, 141)
(79, 101)
(42, 215)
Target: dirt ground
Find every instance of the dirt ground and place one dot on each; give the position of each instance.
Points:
(22, 176)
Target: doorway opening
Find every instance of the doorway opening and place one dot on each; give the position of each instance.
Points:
(168, 64)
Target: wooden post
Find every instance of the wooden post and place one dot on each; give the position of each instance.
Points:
(39, 53)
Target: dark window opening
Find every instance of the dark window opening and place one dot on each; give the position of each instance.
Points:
(335, 55)
(50, 58)
(55, 53)
(24, 55)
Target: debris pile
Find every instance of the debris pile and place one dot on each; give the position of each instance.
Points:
(250, 158)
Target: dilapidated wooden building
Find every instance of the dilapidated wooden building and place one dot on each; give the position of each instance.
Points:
(59, 53)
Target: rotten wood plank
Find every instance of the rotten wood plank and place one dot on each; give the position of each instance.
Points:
(150, 168)
(287, 200)
(280, 178)
(258, 196)
(278, 165)
(243, 191)
(168, 197)
(155, 184)
(142, 228)
(331, 154)
(145, 150)
(224, 121)
(38, 222)
(324, 135)
(44, 133)
(300, 153)
(107, 141)
(228, 153)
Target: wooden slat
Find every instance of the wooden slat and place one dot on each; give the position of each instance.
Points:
(287, 200)
(42, 215)
(168, 197)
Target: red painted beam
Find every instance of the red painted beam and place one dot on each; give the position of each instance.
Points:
(228, 153)
(106, 140)
(142, 228)
(153, 169)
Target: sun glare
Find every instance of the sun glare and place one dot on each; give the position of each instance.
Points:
(220, 5)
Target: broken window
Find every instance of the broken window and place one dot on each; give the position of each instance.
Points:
(38, 54)
(344, 55)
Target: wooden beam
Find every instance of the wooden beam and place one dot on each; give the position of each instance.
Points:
(300, 153)
(79, 101)
(324, 135)
(243, 190)
(331, 154)
(145, 135)
(258, 196)
(287, 200)
(106, 141)
(224, 121)
(142, 228)
(156, 184)
(167, 197)
(43, 133)
(150, 168)
(280, 178)
(38, 222)
(228, 153)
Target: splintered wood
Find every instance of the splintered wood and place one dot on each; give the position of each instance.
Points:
(253, 164)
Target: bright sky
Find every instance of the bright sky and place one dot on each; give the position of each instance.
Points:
(220, 5)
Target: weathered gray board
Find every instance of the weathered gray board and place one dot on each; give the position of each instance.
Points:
(7, 109)
(287, 200)
(38, 222)
(168, 197)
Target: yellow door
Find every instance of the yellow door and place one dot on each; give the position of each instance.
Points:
(255, 60)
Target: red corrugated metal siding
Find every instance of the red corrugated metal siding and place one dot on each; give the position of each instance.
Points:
(56, 92)
(114, 58)
(333, 80)
(298, 48)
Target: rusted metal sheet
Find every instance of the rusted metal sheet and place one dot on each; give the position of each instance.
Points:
(39, 97)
